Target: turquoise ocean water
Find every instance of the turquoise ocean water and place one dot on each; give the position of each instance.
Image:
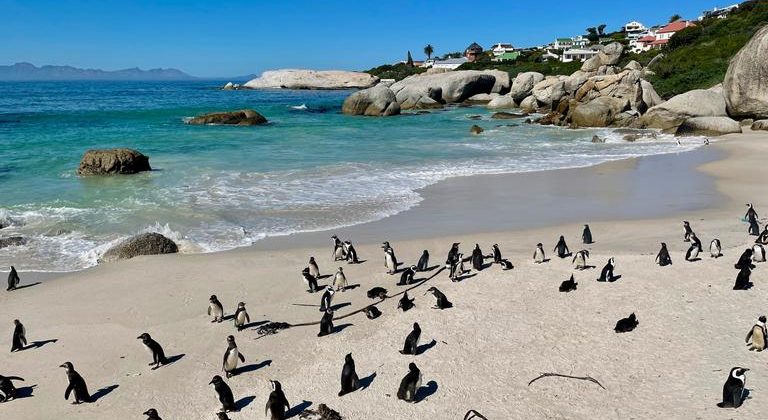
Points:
(216, 188)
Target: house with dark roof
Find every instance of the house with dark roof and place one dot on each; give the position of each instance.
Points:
(473, 51)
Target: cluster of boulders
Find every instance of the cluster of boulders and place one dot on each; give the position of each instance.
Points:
(242, 117)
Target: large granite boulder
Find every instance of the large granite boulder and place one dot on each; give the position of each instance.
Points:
(242, 117)
(502, 83)
(708, 126)
(745, 86)
(600, 112)
(113, 162)
(143, 244)
(591, 64)
(481, 98)
(650, 97)
(529, 104)
(576, 80)
(449, 87)
(611, 54)
(760, 125)
(373, 102)
(12, 241)
(695, 103)
(549, 91)
(312, 79)
(523, 85)
(501, 102)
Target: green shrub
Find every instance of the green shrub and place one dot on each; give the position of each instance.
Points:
(395, 71)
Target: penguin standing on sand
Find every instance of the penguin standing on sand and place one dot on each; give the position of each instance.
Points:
(586, 236)
(314, 270)
(412, 340)
(390, 260)
(351, 253)
(215, 309)
(763, 237)
(152, 414)
(7, 389)
(663, 258)
(158, 356)
(745, 260)
(309, 279)
(349, 380)
(442, 300)
(325, 300)
(607, 273)
(13, 279)
(423, 263)
(19, 340)
(241, 316)
(410, 384)
(568, 285)
(76, 385)
(758, 334)
(224, 392)
(405, 303)
(580, 259)
(231, 356)
(733, 389)
(715, 249)
(742, 279)
(538, 254)
(326, 323)
(626, 324)
(277, 404)
(338, 249)
(758, 253)
(406, 277)
(340, 280)
(453, 255)
(751, 213)
(562, 248)
(693, 251)
(754, 228)
(497, 259)
(687, 231)
(222, 416)
(477, 258)
(458, 270)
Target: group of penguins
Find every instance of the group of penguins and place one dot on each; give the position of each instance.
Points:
(277, 403)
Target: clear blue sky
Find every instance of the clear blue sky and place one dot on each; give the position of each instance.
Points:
(236, 37)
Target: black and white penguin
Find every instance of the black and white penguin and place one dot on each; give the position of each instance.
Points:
(687, 231)
(224, 392)
(733, 389)
(390, 260)
(751, 213)
(76, 385)
(758, 334)
(586, 236)
(405, 303)
(215, 309)
(568, 285)
(338, 249)
(152, 414)
(372, 312)
(477, 258)
(715, 249)
(506, 265)
(626, 324)
(497, 259)
(314, 270)
(538, 254)
(309, 279)
(693, 252)
(351, 253)
(406, 277)
(412, 340)
(222, 416)
(13, 279)
(158, 356)
(340, 280)
(580, 259)
(562, 248)
(231, 356)
(241, 316)
(742, 279)
(19, 341)
(763, 237)
(423, 263)
(758, 253)
(745, 260)
(377, 293)
(458, 269)
(607, 273)
(453, 255)
(326, 323)
(277, 404)
(754, 228)
(325, 300)
(349, 380)
(410, 384)
(442, 301)
(663, 258)
(7, 388)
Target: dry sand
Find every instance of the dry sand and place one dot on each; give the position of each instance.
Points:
(505, 329)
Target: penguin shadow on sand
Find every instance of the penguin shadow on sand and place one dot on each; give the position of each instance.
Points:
(367, 381)
(434, 267)
(40, 343)
(338, 306)
(103, 392)
(254, 324)
(351, 287)
(174, 359)
(422, 348)
(252, 367)
(244, 402)
(463, 277)
(298, 409)
(25, 392)
(24, 286)
(425, 392)
(341, 327)
(323, 277)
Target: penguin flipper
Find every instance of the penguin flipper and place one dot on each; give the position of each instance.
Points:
(209, 310)
(68, 391)
(242, 358)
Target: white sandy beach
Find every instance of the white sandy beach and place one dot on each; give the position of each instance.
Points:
(506, 327)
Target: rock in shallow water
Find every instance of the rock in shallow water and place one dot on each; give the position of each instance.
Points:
(476, 129)
(12, 241)
(143, 244)
(113, 162)
(242, 117)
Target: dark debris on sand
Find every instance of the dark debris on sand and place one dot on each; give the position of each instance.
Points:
(272, 328)
(322, 413)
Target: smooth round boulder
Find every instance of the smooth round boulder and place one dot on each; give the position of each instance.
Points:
(113, 162)
(378, 101)
(708, 126)
(760, 125)
(142, 244)
(745, 87)
(523, 85)
(245, 117)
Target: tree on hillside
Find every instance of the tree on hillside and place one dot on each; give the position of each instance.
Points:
(428, 50)
(601, 29)
(675, 18)
(409, 60)
(592, 35)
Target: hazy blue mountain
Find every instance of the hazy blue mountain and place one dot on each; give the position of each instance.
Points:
(27, 71)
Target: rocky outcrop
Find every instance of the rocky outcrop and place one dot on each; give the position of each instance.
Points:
(481, 98)
(502, 83)
(696, 103)
(373, 102)
(476, 129)
(501, 102)
(312, 79)
(12, 241)
(523, 85)
(760, 125)
(599, 112)
(432, 90)
(508, 115)
(549, 91)
(231, 86)
(143, 244)
(529, 104)
(745, 87)
(243, 117)
(113, 162)
(708, 126)
(611, 54)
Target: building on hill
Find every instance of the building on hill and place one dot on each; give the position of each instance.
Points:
(578, 54)
(634, 30)
(718, 12)
(643, 43)
(501, 48)
(580, 41)
(666, 32)
(562, 43)
(450, 63)
(473, 51)
(507, 56)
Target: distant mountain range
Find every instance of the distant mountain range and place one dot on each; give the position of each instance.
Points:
(27, 71)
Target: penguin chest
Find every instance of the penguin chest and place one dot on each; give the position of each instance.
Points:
(539, 255)
(216, 310)
(148, 349)
(230, 362)
(313, 270)
(388, 261)
(241, 317)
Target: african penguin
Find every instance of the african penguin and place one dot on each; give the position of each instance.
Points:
(626, 324)
(349, 380)
(309, 279)
(340, 280)
(538, 254)
(568, 285)
(377, 292)
(224, 392)
(687, 231)
(410, 384)
(693, 253)
(453, 255)
(663, 258)
(442, 301)
(758, 334)
(7, 389)
(607, 273)
(314, 270)
(477, 258)
(580, 259)
(751, 213)
(19, 341)
(231, 356)
(405, 303)
(733, 389)
(458, 269)
(763, 237)
(390, 260)
(497, 259)
(586, 236)
(326, 323)
(406, 277)
(152, 414)
(215, 309)
(742, 279)
(562, 248)
(351, 253)
(372, 312)
(423, 263)
(277, 404)
(338, 249)
(76, 385)
(412, 340)
(325, 300)
(754, 228)
(13, 279)
(745, 260)
(158, 356)
(715, 249)
(241, 317)
(758, 253)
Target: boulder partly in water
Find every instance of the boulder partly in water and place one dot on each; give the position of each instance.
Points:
(113, 162)
(142, 244)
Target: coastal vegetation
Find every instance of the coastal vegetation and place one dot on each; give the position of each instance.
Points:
(397, 71)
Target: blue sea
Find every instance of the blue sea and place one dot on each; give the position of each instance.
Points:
(215, 188)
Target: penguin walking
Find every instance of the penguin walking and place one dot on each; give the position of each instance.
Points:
(325, 300)
(693, 251)
(758, 253)
(733, 389)
(326, 323)
(241, 317)
(231, 356)
(277, 404)
(745, 260)
(687, 231)
(76, 385)
(568, 285)
(562, 248)
(453, 255)
(7, 388)
(158, 356)
(406, 277)
(215, 309)
(663, 258)
(607, 273)
(580, 259)
(477, 258)
(586, 236)
(458, 268)
(351, 256)
(313, 269)
(349, 380)
(751, 213)
(152, 414)
(538, 254)
(412, 340)
(405, 303)
(19, 341)
(410, 384)
(423, 263)
(757, 334)
(338, 249)
(715, 249)
(626, 324)
(224, 392)
(13, 279)
(309, 279)
(742, 279)
(372, 312)
(340, 280)
(442, 301)
(390, 260)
